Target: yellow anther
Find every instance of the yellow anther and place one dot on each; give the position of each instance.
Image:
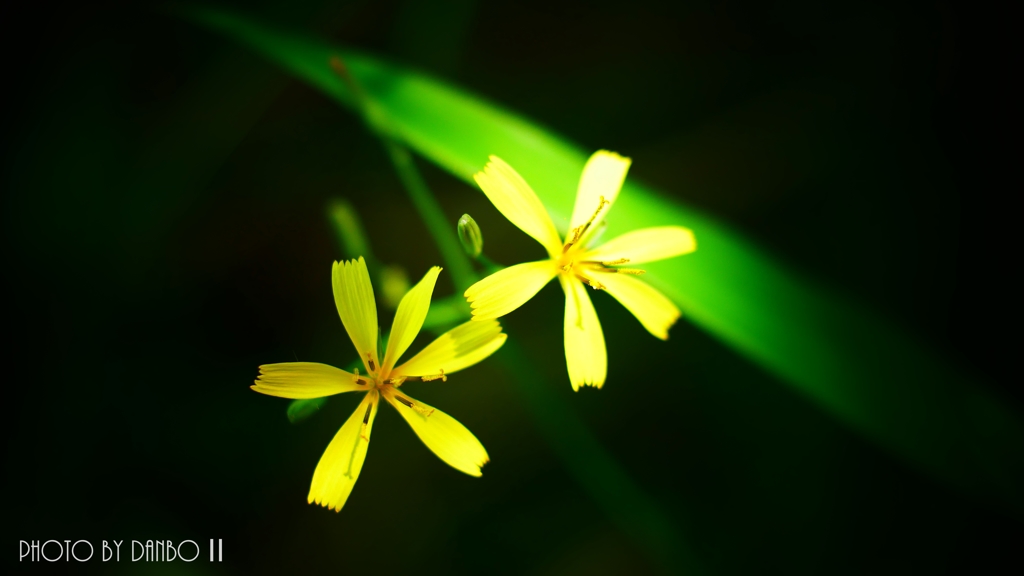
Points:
(590, 282)
(631, 271)
(366, 423)
(576, 233)
(440, 377)
(600, 206)
(357, 379)
(408, 402)
(574, 237)
(615, 262)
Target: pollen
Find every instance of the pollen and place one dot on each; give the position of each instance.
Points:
(618, 262)
(440, 377)
(591, 282)
(578, 232)
(414, 406)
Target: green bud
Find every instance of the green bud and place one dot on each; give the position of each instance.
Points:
(470, 236)
(394, 283)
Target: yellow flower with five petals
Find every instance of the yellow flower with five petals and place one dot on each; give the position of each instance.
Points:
(455, 350)
(575, 262)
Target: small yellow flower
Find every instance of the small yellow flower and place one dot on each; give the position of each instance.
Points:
(576, 262)
(458, 348)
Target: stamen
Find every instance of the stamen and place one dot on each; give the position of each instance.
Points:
(357, 379)
(615, 262)
(579, 231)
(600, 206)
(369, 362)
(591, 282)
(366, 422)
(413, 405)
(440, 377)
(575, 234)
(397, 381)
(631, 271)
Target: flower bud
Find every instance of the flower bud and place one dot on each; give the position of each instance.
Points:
(470, 236)
(394, 284)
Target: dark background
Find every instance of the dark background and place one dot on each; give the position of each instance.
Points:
(164, 212)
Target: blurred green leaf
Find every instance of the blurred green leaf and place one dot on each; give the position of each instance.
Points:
(849, 360)
(299, 410)
(350, 231)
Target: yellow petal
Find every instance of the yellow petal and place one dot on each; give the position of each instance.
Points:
(514, 198)
(508, 289)
(458, 348)
(645, 245)
(656, 312)
(304, 380)
(353, 295)
(585, 354)
(341, 463)
(602, 177)
(409, 318)
(444, 435)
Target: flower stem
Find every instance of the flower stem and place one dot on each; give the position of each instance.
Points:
(422, 198)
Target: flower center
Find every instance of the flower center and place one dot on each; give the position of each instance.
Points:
(381, 381)
(572, 260)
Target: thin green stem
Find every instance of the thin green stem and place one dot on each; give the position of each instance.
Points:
(490, 266)
(352, 239)
(422, 198)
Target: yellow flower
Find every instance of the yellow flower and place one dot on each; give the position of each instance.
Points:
(458, 348)
(576, 262)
